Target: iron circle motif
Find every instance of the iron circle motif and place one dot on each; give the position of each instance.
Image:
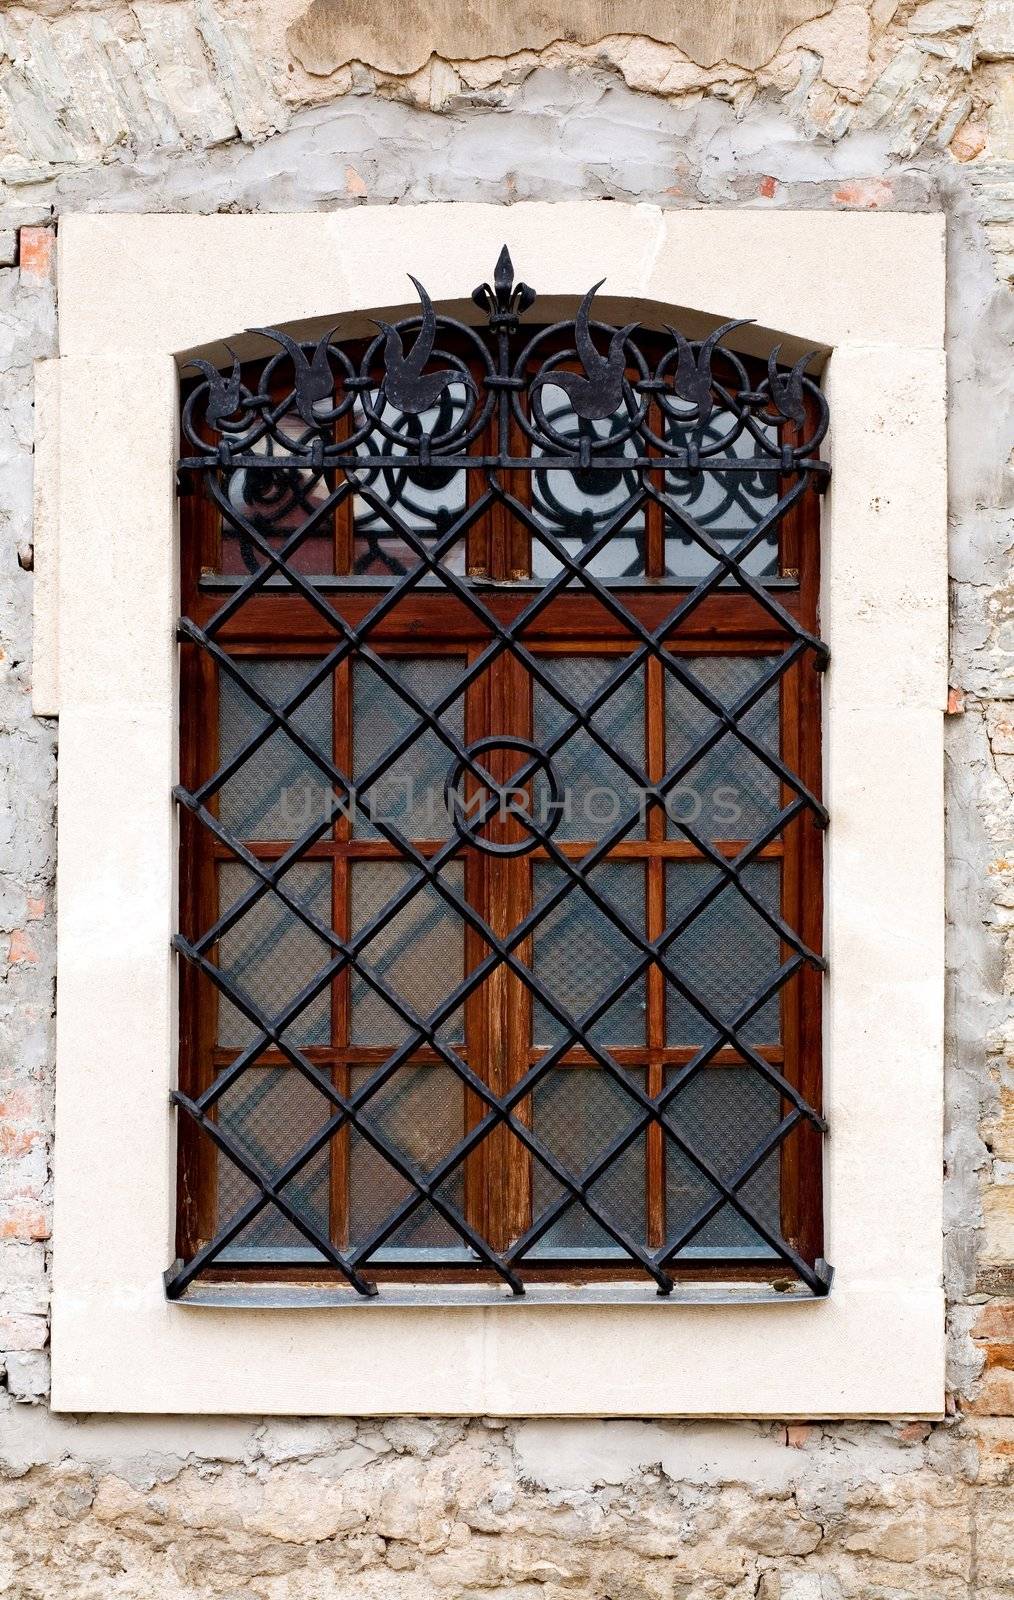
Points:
(507, 806)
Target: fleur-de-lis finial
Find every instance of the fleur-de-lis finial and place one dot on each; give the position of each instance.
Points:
(506, 300)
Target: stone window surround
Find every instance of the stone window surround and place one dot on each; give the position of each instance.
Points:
(137, 295)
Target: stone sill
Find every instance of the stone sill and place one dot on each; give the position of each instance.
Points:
(314, 1297)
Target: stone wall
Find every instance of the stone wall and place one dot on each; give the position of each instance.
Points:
(245, 104)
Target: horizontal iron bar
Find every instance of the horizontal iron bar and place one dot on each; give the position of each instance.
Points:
(677, 462)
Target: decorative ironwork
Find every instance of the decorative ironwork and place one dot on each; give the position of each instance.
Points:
(581, 405)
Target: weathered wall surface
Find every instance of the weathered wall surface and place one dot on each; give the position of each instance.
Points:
(243, 104)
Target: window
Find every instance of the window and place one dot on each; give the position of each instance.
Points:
(139, 297)
(502, 844)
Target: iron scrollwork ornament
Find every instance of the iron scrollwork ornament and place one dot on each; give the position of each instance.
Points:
(394, 382)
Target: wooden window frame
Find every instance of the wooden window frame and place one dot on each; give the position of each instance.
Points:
(497, 1186)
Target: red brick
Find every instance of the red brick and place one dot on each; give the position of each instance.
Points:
(865, 193)
(18, 1331)
(914, 1432)
(24, 1219)
(955, 702)
(767, 188)
(797, 1435)
(968, 142)
(36, 907)
(16, 1141)
(21, 948)
(998, 1355)
(37, 252)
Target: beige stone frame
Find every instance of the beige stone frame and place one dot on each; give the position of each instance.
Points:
(136, 294)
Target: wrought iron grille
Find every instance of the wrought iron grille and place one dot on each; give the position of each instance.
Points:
(443, 445)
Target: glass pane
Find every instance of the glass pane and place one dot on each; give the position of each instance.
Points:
(278, 792)
(581, 957)
(276, 503)
(725, 504)
(271, 955)
(728, 793)
(420, 1111)
(577, 1114)
(419, 953)
(597, 793)
(272, 1112)
(424, 500)
(410, 795)
(723, 1113)
(574, 506)
(725, 955)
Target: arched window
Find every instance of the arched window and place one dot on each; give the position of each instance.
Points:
(501, 847)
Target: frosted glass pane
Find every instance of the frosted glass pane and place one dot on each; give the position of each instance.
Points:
(271, 955)
(723, 1113)
(272, 1112)
(725, 955)
(419, 952)
(410, 795)
(577, 1113)
(278, 792)
(597, 793)
(419, 1111)
(728, 793)
(581, 957)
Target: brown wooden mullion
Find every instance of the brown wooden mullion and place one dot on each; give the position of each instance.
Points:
(800, 1156)
(725, 620)
(222, 1056)
(477, 1031)
(520, 1173)
(342, 735)
(197, 1174)
(573, 849)
(655, 754)
(199, 907)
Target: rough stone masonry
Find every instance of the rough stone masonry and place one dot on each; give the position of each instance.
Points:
(243, 104)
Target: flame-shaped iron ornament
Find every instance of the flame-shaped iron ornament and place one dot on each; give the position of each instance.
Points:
(693, 374)
(314, 381)
(224, 393)
(787, 390)
(600, 392)
(406, 386)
